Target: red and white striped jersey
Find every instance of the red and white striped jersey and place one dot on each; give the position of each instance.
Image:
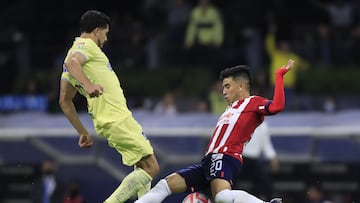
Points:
(236, 125)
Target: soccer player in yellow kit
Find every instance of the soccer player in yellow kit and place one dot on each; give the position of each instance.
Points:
(87, 70)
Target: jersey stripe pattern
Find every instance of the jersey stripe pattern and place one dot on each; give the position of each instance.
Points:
(236, 125)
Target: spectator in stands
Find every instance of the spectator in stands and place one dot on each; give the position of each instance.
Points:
(202, 106)
(178, 13)
(341, 19)
(216, 98)
(251, 17)
(204, 32)
(329, 104)
(73, 194)
(279, 51)
(253, 48)
(261, 83)
(257, 154)
(47, 188)
(356, 42)
(205, 26)
(324, 47)
(340, 12)
(134, 45)
(177, 18)
(314, 194)
(31, 87)
(154, 20)
(167, 105)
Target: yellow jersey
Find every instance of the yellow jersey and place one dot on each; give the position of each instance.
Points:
(279, 59)
(205, 28)
(111, 105)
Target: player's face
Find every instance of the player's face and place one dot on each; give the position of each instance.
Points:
(102, 36)
(231, 90)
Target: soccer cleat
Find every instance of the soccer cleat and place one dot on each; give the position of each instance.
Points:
(276, 200)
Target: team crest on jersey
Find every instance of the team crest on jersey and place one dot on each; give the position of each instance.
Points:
(227, 115)
(80, 45)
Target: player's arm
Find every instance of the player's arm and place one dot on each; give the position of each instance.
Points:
(278, 102)
(67, 93)
(270, 41)
(74, 65)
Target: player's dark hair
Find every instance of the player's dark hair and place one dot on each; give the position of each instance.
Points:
(93, 19)
(240, 72)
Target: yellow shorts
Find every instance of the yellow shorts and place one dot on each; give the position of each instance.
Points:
(128, 139)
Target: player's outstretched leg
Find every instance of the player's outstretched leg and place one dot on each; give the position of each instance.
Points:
(240, 196)
(157, 194)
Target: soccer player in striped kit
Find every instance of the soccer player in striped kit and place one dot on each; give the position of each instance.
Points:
(222, 162)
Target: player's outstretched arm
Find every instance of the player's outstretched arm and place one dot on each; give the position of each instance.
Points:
(278, 102)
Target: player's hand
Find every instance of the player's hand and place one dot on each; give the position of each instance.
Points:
(285, 68)
(290, 64)
(85, 141)
(94, 90)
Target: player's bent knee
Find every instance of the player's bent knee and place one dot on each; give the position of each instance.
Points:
(149, 164)
(155, 169)
(154, 166)
(224, 196)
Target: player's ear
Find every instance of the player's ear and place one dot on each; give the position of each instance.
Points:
(241, 85)
(96, 31)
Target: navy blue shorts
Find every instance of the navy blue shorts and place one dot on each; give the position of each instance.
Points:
(198, 176)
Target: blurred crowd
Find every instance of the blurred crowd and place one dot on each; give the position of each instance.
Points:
(154, 34)
(48, 187)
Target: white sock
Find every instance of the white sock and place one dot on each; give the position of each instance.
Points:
(157, 194)
(236, 196)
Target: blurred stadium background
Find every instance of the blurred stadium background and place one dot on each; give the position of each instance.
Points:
(317, 138)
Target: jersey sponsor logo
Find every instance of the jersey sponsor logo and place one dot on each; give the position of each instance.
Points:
(225, 118)
(215, 157)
